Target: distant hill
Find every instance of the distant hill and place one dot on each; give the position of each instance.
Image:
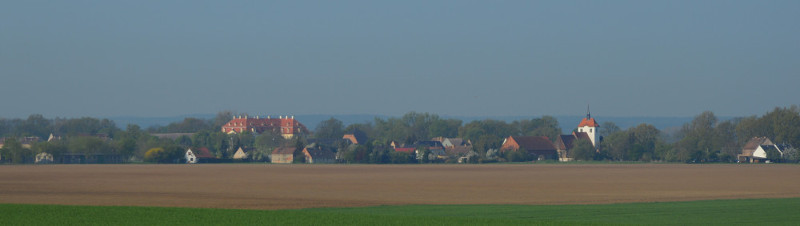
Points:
(311, 120)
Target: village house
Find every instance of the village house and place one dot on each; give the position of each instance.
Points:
(242, 153)
(319, 154)
(757, 149)
(539, 147)
(435, 147)
(282, 155)
(199, 155)
(455, 147)
(43, 158)
(750, 148)
(455, 142)
(356, 137)
(286, 126)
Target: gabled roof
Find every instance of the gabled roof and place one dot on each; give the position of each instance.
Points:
(754, 142)
(590, 122)
(202, 152)
(284, 150)
(534, 143)
(356, 136)
(430, 144)
(320, 153)
(245, 149)
(458, 150)
(454, 141)
(565, 142)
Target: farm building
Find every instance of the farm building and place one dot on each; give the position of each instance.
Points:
(565, 143)
(319, 155)
(753, 150)
(44, 158)
(199, 155)
(539, 147)
(283, 155)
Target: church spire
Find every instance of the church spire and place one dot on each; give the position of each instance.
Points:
(588, 113)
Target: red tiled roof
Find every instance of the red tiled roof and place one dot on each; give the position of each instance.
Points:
(534, 143)
(278, 151)
(202, 153)
(263, 124)
(590, 122)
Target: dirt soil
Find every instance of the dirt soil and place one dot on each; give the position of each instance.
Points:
(265, 186)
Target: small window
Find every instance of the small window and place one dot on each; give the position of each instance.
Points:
(590, 130)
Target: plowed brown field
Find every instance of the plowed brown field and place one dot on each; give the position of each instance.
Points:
(255, 186)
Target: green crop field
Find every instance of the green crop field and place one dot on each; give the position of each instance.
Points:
(715, 212)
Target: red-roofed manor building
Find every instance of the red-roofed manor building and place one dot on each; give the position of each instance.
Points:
(286, 126)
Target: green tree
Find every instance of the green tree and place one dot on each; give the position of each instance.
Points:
(608, 128)
(698, 140)
(188, 125)
(400, 157)
(14, 152)
(35, 125)
(126, 146)
(486, 142)
(423, 154)
(298, 155)
(329, 129)
(444, 128)
(220, 119)
(55, 148)
(88, 145)
(583, 150)
(545, 126)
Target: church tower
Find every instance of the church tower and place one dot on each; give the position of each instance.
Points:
(589, 126)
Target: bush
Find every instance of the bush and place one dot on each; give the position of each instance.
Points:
(154, 155)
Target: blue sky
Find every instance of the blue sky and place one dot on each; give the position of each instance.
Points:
(467, 58)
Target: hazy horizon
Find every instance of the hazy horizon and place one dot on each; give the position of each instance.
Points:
(452, 58)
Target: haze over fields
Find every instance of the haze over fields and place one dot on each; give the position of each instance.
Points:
(625, 58)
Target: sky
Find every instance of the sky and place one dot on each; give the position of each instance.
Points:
(460, 58)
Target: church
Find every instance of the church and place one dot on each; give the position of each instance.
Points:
(587, 130)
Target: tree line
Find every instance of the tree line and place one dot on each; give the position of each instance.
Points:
(704, 139)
